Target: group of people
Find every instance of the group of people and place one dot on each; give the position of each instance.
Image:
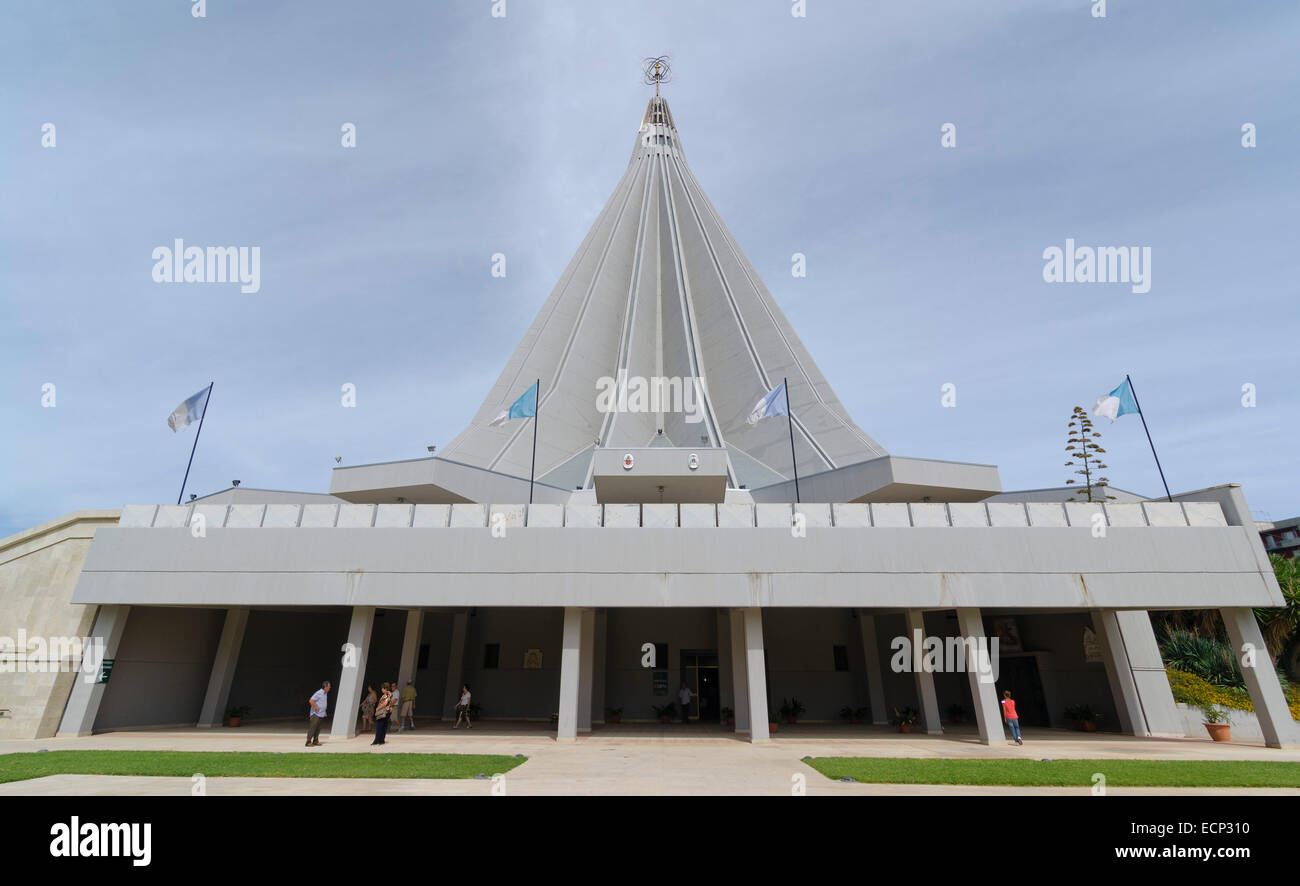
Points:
(378, 708)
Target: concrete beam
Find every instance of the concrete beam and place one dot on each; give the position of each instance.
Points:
(84, 700)
(1261, 680)
(739, 669)
(1119, 673)
(570, 674)
(351, 681)
(875, 674)
(586, 663)
(223, 668)
(926, 697)
(756, 674)
(984, 696)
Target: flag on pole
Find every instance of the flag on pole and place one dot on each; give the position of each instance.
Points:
(774, 402)
(524, 407)
(190, 411)
(1118, 402)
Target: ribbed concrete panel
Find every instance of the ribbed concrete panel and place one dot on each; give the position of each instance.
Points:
(660, 289)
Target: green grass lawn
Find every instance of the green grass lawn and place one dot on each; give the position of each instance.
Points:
(1062, 773)
(16, 767)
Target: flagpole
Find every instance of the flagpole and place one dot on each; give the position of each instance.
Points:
(789, 420)
(1132, 390)
(202, 418)
(537, 408)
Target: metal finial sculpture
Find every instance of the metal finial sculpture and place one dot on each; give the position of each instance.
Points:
(655, 71)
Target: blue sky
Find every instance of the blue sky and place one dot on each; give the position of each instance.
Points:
(479, 135)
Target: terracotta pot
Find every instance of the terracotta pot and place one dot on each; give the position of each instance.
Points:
(905, 728)
(771, 727)
(665, 719)
(731, 722)
(791, 720)
(616, 718)
(1220, 731)
(853, 721)
(234, 721)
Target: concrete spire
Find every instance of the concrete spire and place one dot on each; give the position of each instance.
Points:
(659, 288)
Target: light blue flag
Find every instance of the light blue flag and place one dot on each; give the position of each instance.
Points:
(524, 407)
(189, 411)
(774, 402)
(1118, 402)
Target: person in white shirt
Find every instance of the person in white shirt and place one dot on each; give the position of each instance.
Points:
(684, 700)
(319, 703)
(463, 708)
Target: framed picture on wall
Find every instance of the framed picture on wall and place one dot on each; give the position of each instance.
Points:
(1008, 634)
(533, 659)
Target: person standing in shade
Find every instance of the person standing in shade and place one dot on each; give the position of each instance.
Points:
(368, 708)
(382, 711)
(319, 703)
(684, 699)
(408, 705)
(462, 708)
(1009, 712)
(395, 715)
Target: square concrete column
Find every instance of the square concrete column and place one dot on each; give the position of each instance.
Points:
(455, 664)
(756, 674)
(1261, 680)
(875, 674)
(410, 647)
(925, 693)
(1119, 674)
(223, 668)
(348, 698)
(586, 667)
(983, 693)
(598, 677)
(739, 669)
(570, 674)
(726, 682)
(87, 693)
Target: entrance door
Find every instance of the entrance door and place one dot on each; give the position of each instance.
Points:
(700, 672)
(1019, 673)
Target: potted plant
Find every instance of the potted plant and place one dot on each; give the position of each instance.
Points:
(237, 713)
(957, 713)
(1082, 717)
(852, 715)
(1216, 723)
(904, 719)
(614, 715)
(729, 717)
(664, 713)
(791, 710)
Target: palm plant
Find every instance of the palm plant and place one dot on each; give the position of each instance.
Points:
(1281, 625)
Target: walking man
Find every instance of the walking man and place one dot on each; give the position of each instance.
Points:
(1009, 711)
(319, 704)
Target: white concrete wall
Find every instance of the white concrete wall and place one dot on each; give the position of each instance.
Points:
(38, 572)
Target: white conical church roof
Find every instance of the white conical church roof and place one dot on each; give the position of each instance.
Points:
(660, 289)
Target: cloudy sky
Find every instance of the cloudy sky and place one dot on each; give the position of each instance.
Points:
(478, 135)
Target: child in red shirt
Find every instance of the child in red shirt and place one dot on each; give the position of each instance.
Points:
(1009, 711)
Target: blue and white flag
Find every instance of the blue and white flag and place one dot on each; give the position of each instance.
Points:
(524, 407)
(189, 412)
(1118, 402)
(774, 402)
